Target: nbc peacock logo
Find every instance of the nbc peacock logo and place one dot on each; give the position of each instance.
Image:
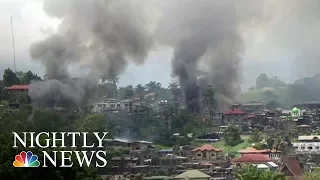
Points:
(26, 159)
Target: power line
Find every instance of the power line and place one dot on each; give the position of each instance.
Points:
(13, 46)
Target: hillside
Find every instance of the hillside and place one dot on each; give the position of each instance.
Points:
(265, 95)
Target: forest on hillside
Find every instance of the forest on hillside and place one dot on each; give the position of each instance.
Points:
(285, 95)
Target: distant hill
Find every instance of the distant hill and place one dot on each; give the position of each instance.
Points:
(305, 89)
(264, 95)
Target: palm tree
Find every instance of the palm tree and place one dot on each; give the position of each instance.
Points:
(105, 78)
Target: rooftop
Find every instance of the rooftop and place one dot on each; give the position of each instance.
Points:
(308, 138)
(236, 111)
(252, 150)
(293, 166)
(18, 87)
(206, 147)
(192, 174)
(252, 158)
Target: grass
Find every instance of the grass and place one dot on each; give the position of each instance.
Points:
(233, 149)
(159, 147)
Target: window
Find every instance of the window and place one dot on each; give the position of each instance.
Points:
(212, 154)
(317, 147)
(295, 147)
(198, 154)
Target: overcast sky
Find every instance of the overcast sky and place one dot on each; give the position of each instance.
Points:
(32, 24)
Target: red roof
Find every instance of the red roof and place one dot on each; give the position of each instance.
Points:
(294, 167)
(206, 147)
(252, 158)
(251, 150)
(18, 87)
(235, 112)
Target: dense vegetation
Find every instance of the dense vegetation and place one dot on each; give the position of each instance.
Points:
(150, 125)
(253, 173)
(273, 90)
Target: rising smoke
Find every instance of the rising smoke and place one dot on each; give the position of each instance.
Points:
(206, 36)
(208, 33)
(102, 35)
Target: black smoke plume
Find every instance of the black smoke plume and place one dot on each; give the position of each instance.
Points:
(101, 35)
(207, 33)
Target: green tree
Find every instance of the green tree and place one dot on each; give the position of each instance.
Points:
(232, 136)
(28, 77)
(128, 92)
(255, 137)
(140, 91)
(10, 78)
(95, 123)
(112, 82)
(151, 86)
(262, 81)
(314, 175)
(253, 173)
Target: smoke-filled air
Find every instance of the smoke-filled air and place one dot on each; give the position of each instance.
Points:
(207, 38)
(102, 36)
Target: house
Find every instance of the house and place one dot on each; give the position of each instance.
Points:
(251, 159)
(18, 94)
(304, 129)
(271, 153)
(208, 152)
(164, 152)
(126, 104)
(292, 168)
(234, 116)
(140, 146)
(106, 106)
(307, 145)
(142, 149)
(193, 174)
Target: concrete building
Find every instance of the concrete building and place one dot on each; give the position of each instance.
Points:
(234, 116)
(208, 152)
(271, 153)
(307, 145)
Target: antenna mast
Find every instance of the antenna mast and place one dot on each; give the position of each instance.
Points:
(14, 50)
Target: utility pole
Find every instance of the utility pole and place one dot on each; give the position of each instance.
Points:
(13, 46)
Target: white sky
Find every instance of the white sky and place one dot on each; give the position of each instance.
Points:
(31, 24)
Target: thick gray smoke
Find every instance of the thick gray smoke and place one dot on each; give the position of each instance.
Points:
(207, 32)
(102, 35)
